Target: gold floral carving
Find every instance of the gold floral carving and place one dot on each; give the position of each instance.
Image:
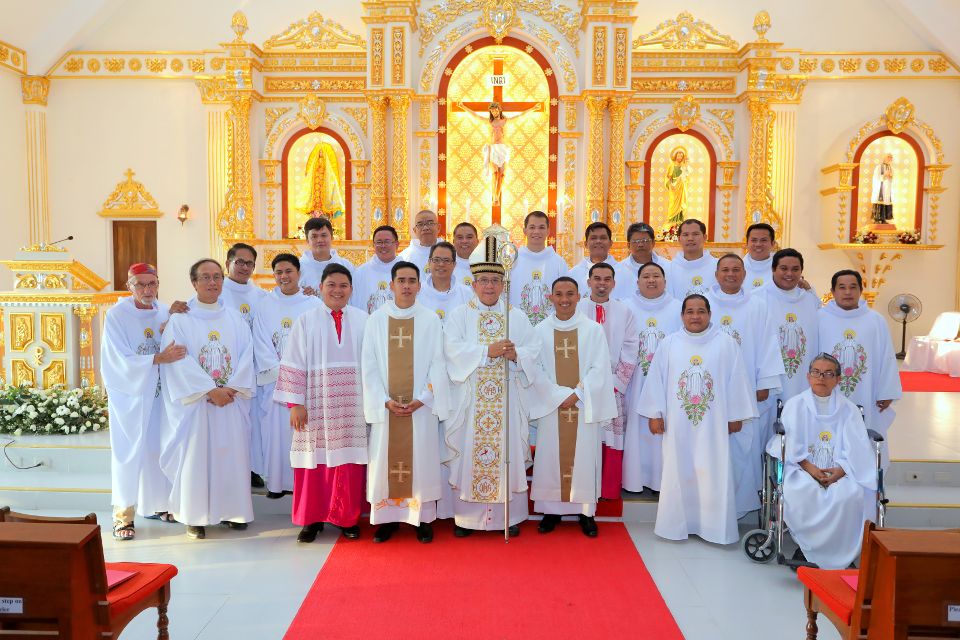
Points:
(544, 35)
(685, 33)
(398, 57)
(376, 56)
(616, 200)
(315, 32)
(399, 196)
(156, 65)
(53, 331)
(357, 147)
(130, 199)
(425, 162)
(872, 65)
(114, 65)
(378, 178)
(620, 58)
(899, 115)
(827, 65)
(359, 114)
(176, 65)
(807, 65)
(686, 112)
(271, 117)
(714, 126)
(93, 65)
(569, 194)
(312, 111)
(570, 115)
(55, 374)
(637, 116)
(430, 65)
(759, 203)
(278, 131)
(849, 65)
(55, 281)
(498, 17)
(761, 24)
(16, 59)
(685, 85)
(307, 85)
(26, 281)
(22, 329)
(932, 137)
(938, 65)
(725, 116)
(35, 89)
(596, 105)
(637, 154)
(235, 219)
(599, 55)
(895, 65)
(23, 373)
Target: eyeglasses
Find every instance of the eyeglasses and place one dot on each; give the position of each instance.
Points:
(217, 277)
(143, 287)
(641, 242)
(250, 264)
(488, 282)
(441, 260)
(425, 224)
(816, 373)
(384, 243)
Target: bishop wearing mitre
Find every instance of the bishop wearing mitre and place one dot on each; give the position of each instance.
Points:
(479, 353)
(404, 399)
(574, 399)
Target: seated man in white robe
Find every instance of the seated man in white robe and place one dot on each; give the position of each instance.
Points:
(697, 393)
(573, 400)
(405, 395)
(478, 351)
(271, 329)
(129, 363)
(623, 341)
(536, 267)
(465, 240)
(642, 239)
(441, 292)
(319, 253)
(691, 271)
(206, 454)
(425, 227)
(599, 239)
(830, 465)
(371, 281)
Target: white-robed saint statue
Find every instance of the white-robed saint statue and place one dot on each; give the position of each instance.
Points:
(658, 316)
(206, 452)
(573, 399)
(829, 467)
(271, 330)
(405, 396)
(697, 393)
(130, 357)
(881, 194)
(478, 352)
(536, 267)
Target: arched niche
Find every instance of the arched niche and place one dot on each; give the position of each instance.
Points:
(909, 169)
(294, 157)
(701, 172)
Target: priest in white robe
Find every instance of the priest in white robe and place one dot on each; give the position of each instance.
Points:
(622, 339)
(206, 452)
(599, 239)
(371, 282)
(271, 330)
(657, 316)
(320, 252)
(743, 317)
(478, 352)
(465, 240)
(697, 393)
(642, 240)
(534, 270)
(693, 270)
(573, 399)
(321, 382)
(405, 396)
(425, 226)
(441, 292)
(859, 338)
(758, 260)
(830, 465)
(130, 360)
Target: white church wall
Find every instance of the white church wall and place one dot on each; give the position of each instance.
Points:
(13, 169)
(96, 130)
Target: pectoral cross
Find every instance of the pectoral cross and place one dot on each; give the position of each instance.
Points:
(401, 472)
(569, 414)
(566, 348)
(400, 337)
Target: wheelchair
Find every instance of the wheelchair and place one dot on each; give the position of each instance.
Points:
(766, 543)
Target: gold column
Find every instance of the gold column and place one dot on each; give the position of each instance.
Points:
(596, 105)
(617, 196)
(271, 191)
(218, 173)
(87, 370)
(235, 220)
(35, 90)
(759, 176)
(378, 177)
(399, 191)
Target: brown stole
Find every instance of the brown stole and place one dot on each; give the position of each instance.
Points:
(400, 389)
(566, 359)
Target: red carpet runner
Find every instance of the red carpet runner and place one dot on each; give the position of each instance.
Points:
(560, 585)
(924, 381)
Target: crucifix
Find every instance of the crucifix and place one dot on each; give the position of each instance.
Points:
(569, 414)
(401, 472)
(400, 337)
(566, 349)
(497, 153)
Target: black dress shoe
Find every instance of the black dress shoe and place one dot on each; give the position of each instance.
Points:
(275, 495)
(197, 533)
(425, 532)
(384, 531)
(309, 532)
(256, 481)
(461, 532)
(351, 533)
(549, 523)
(236, 526)
(514, 530)
(588, 525)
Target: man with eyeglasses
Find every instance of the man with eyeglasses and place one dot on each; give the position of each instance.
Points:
(425, 227)
(692, 271)
(535, 269)
(642, 239)
(130, 358)
(478, 352)
(371, 282)
(320, 252)
(440, 292)
(206, 455)
(829, 468)
(465, 239)
(598, 239)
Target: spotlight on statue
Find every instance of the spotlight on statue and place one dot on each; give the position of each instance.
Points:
(904, 308)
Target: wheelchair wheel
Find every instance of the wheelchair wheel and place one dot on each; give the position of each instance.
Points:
(758, 545)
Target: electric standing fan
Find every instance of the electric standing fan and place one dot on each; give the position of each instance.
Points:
(904, 308)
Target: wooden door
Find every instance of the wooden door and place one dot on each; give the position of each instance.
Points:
(133, 241)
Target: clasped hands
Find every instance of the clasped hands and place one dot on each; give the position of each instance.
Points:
(502, 348)
(221, 396)
(825, 477)
(400, 409)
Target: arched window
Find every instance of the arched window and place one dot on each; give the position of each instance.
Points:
(316, 181)
(907, 166)
(680, 174)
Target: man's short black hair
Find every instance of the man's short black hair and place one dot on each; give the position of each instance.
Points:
(466, 224)
(602, 265)
(320, 222)
(536, 214)
(641, 227)
(787, 253)
(385, 227)
(648, 264)
(762, 226)
(703, 227)
(443, 244)
(403, 264)
(285, 257)
(732, 256)
(564, 279)
(846, 272)
(195, 267)
(694, 296)
(593, 226)
(334, 268)
(232, 251)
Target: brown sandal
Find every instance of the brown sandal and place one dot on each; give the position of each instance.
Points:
(123, 530)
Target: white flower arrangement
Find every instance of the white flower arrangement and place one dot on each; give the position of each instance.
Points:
(26, 410)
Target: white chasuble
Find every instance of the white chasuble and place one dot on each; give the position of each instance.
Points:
(475, 430)
(564, 481)
(622, 339)
(245, 298)
(443, 302)
(860, 340)
(206, 453)
(371, 284)
(697, 384)
(759, 272)
(271, 330)
(131, 338)
(691, 276)
(656, 319)
(322, 373)
(418, 255)
(311, 269)
(632, 269)
(383, 350)
(793, 316)
(461, 273)
(626, 282)
(743, 317)
(531, 279)
(829, 432)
